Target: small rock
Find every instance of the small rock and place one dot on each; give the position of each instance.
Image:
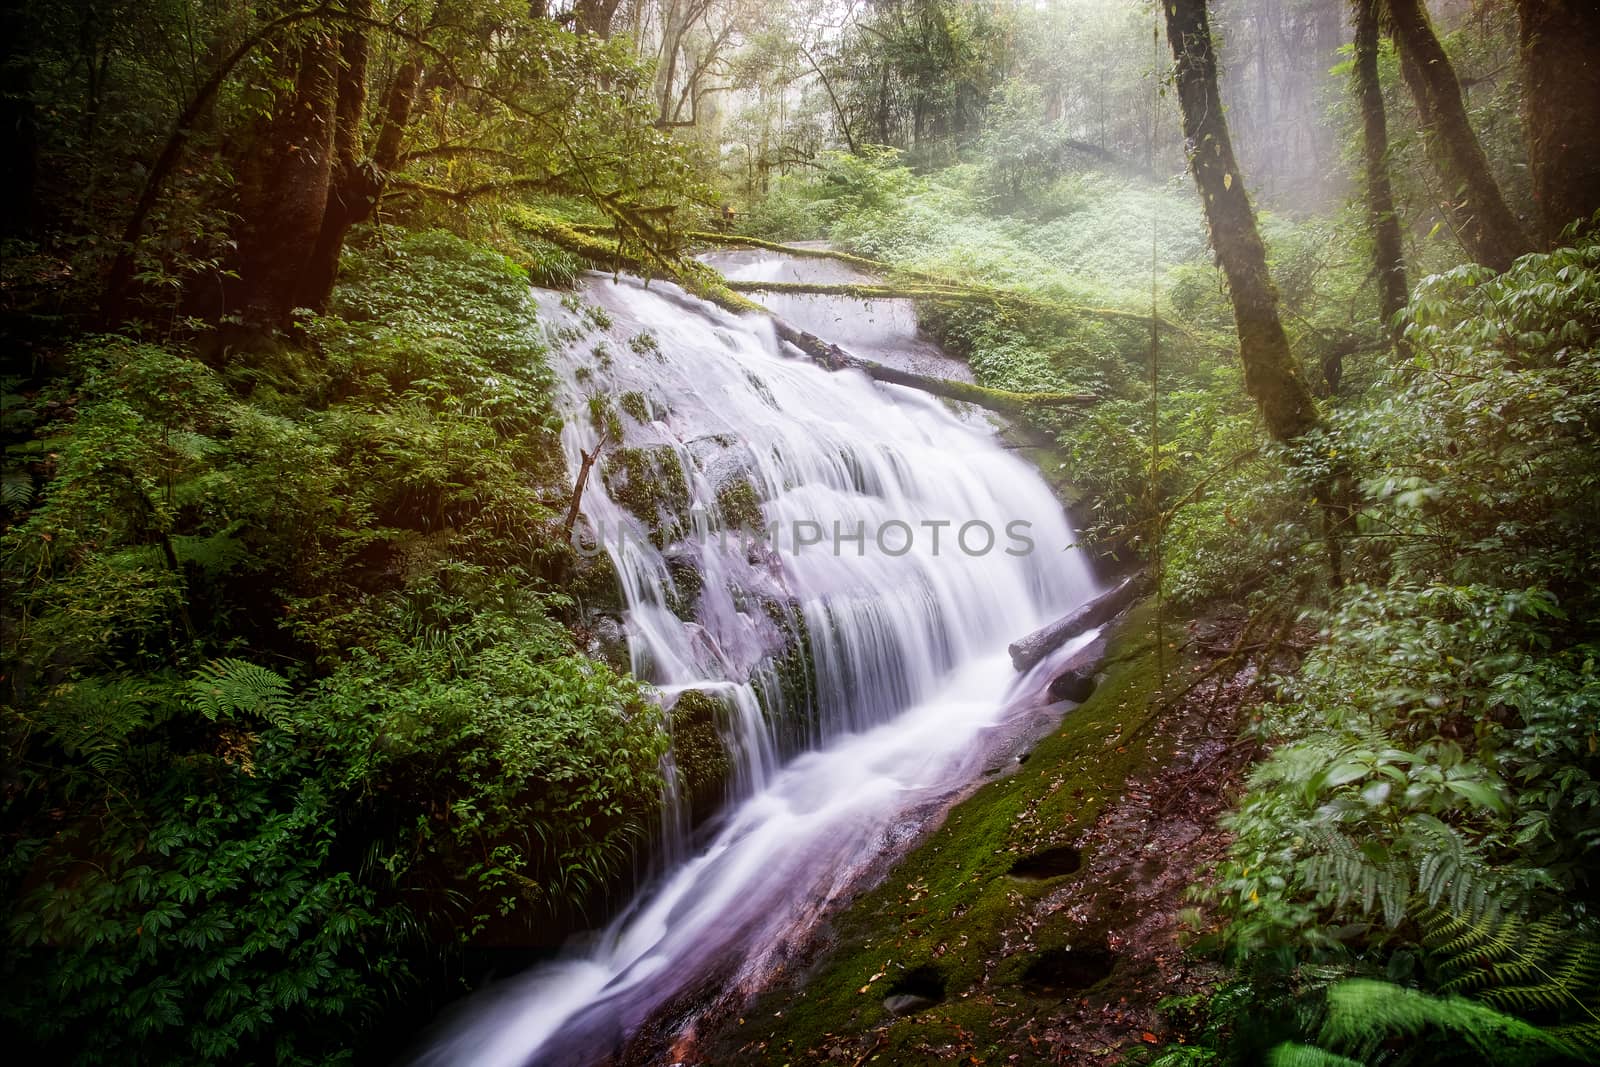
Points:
(907, 1003)
(1074, 685)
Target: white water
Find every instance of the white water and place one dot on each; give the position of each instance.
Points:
(907, 647)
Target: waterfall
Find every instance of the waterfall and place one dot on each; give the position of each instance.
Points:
(838, 564)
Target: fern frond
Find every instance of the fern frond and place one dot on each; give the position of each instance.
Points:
(1540, 967)
(16, 490)
(1364, 1015)
(95, 719)
(226, 686)
(1290, 1054)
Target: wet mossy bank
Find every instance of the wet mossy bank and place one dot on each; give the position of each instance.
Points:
(1044, 910)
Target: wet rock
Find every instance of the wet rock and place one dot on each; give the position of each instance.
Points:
(907, 1003)
(608, 642)
(687, 583)
(1079, 675)
(702, 758)
(1076, 686)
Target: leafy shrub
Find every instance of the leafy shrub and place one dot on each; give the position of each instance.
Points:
(1439, 744)
(209, 858)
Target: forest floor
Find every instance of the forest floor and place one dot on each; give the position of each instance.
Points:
(1041, 923)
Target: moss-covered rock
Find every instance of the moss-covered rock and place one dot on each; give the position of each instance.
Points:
(704, 763)
(740, 506)
(687, 584)
(634, 404)
(789, 701)
(603, 417)
(649, 482)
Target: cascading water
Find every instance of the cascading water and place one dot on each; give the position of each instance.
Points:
(857, 658)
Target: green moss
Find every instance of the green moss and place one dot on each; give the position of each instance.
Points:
(634, 404)
(949, 903)
(793, 674)
(687, 585)
(703, 762)
(740, 506)
(645, 344)
(603, 417)
(648, 482)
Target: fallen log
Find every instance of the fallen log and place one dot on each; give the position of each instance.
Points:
(1027, 652)
(866, 291)
(930, 288)
(1001, 401)
(948, 288)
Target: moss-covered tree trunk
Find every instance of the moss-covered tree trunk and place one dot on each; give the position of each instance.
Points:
(1561, 109)
(1491, 233)
(1271, 373)
(1388, 252)
(348, 186)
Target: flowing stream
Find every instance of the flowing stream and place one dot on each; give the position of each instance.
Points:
(857, 658)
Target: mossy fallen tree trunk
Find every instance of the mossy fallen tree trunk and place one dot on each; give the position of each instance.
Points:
(947, 291)
(1001, 401)
(709, 284)
(928, 287)
(862, 291)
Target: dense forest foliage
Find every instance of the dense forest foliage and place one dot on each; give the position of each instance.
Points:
(304, 696)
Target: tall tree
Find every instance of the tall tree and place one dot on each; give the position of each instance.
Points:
(1271, 374)
(1560, 45)
(1491, 233)
(594, 16)
(1388, 254)
(513, 104)
(284, 179)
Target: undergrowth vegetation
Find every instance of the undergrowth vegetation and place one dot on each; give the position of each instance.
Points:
(293, 704)
(1434, 756)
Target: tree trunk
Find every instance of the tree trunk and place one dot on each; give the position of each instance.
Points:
(594, 16)
(1388, 254)
(1271, 374)
(1561, 109)
(1491, 233)
(349, 185)
(285, 185)
(357, 182)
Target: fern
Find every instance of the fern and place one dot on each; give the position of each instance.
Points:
(95, 719)
(1429, 865)
(16, 490)
(228, 685)
(1374, 1022)
(1290, 1054)
(1536, 968)
(1370, 874)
